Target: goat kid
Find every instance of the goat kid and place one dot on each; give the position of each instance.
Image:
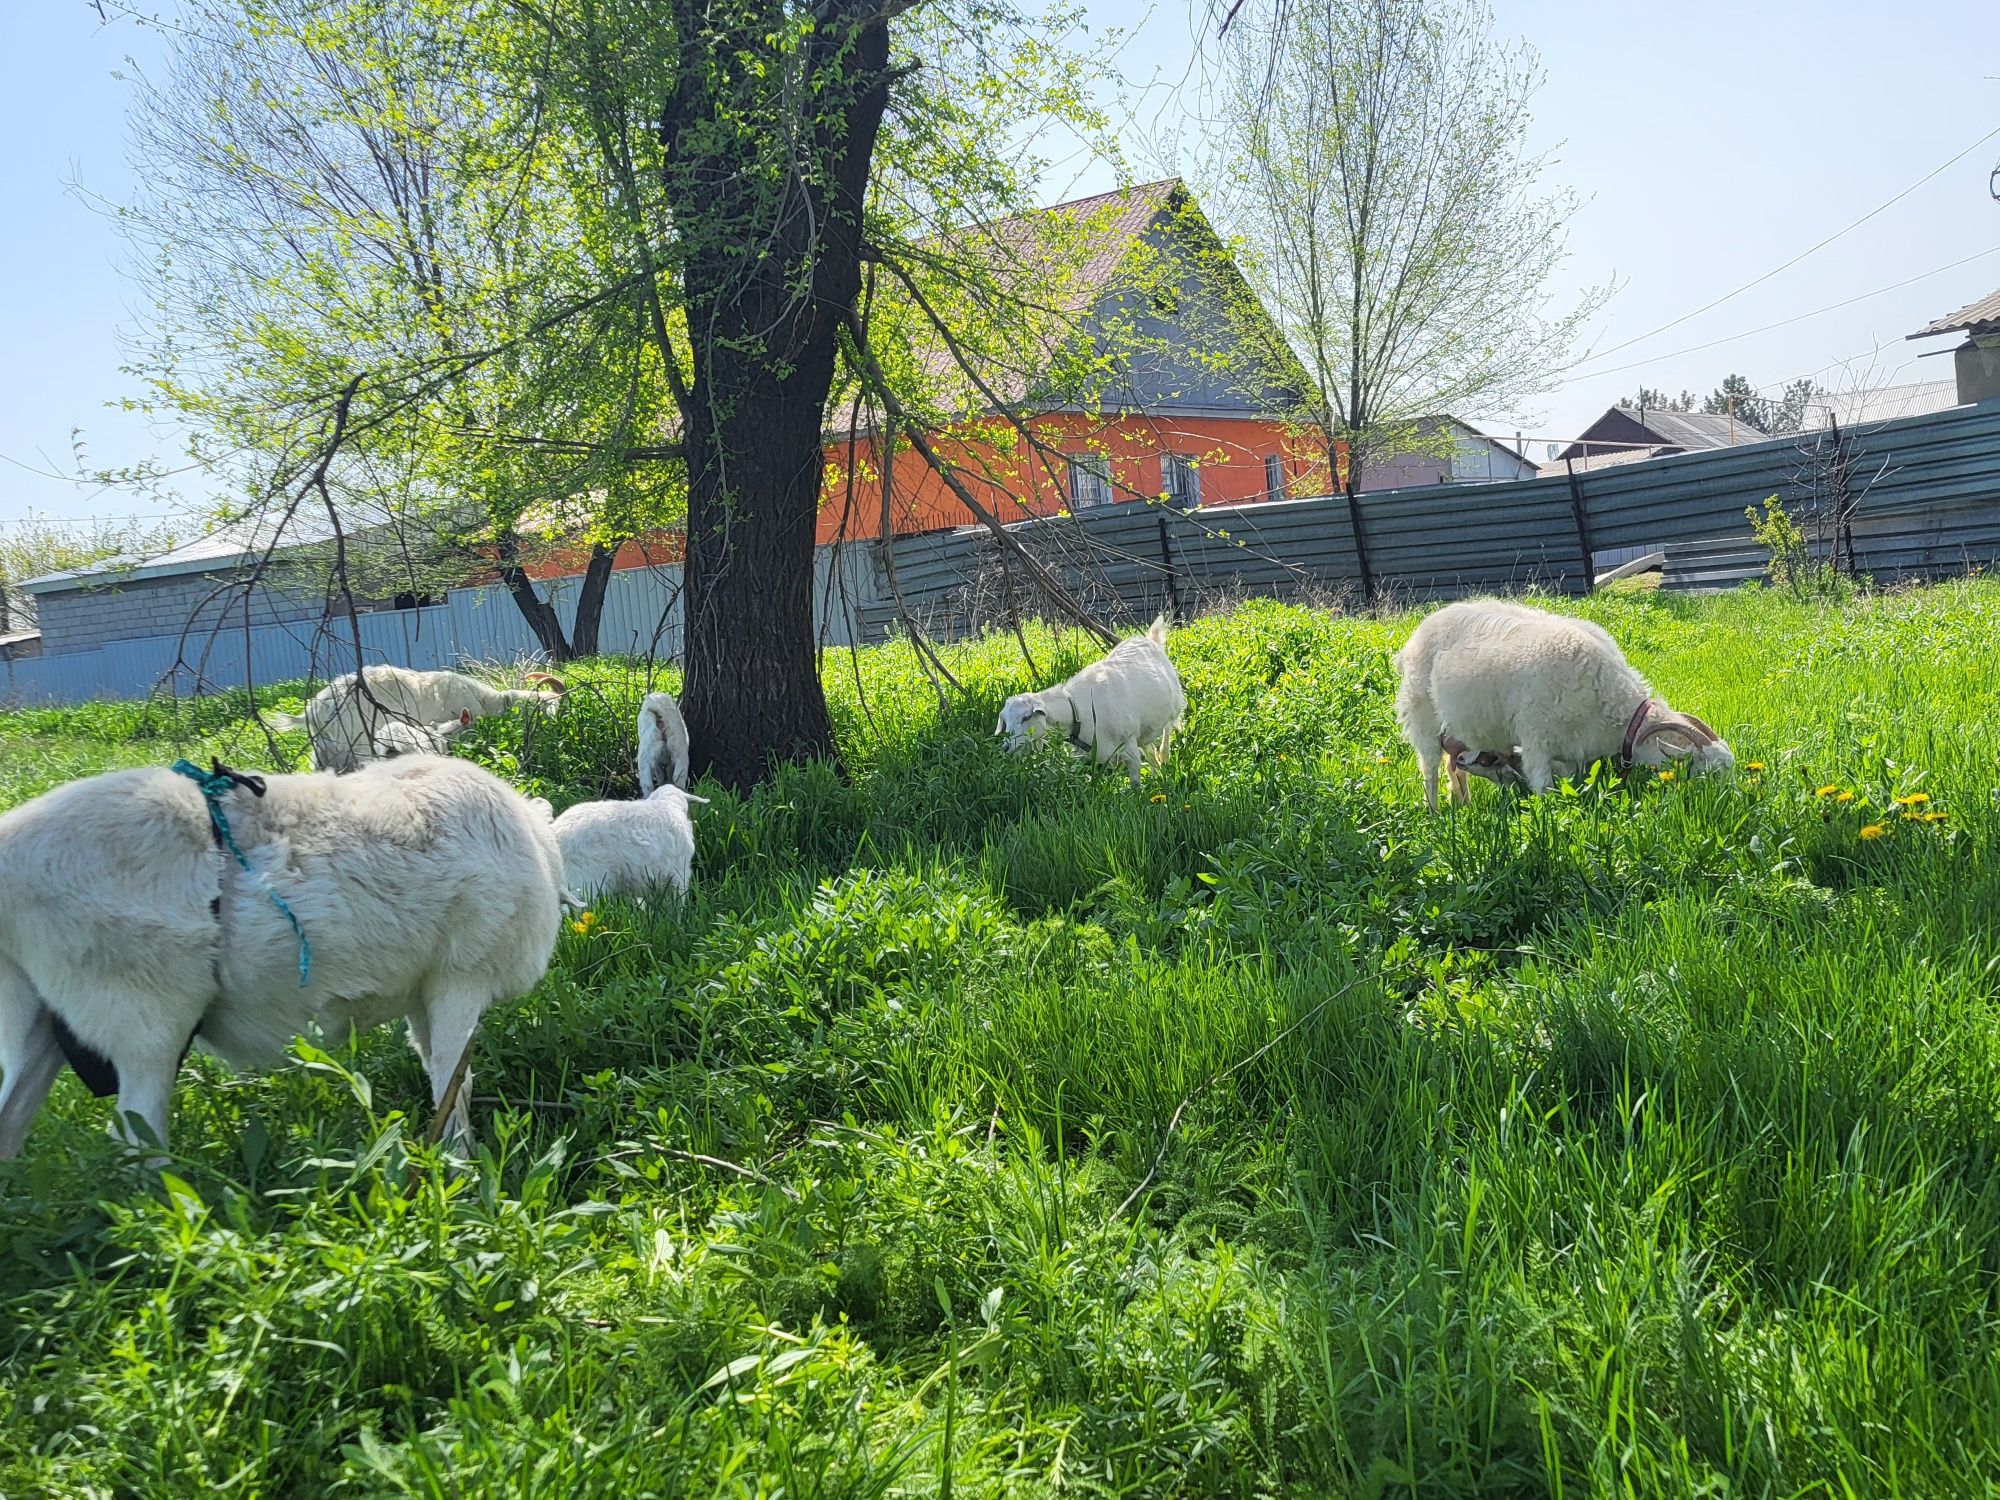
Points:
(628, 848)
(663, 744)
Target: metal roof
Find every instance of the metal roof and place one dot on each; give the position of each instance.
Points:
(229, 545)
(1982, 316)
(1886, 404)
(1695, 431)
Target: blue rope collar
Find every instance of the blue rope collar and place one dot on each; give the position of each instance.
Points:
(215, 785)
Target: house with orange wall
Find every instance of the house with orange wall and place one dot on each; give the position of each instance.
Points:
(1167, 424)
(1174, 421)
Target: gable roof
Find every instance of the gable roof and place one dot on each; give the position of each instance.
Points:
(229, 545)
(1691, 430)
(1982, 316)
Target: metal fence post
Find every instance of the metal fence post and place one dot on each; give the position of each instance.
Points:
(1582, 514)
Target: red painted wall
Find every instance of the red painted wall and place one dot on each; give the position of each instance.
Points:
(1014, 481)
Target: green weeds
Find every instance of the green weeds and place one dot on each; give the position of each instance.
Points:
(1640, 1139)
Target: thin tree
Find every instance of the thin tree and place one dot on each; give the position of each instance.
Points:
(1395, 222)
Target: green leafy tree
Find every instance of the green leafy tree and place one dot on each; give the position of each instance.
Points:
(582, 267)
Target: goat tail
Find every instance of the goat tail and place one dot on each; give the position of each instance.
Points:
(1157, 631)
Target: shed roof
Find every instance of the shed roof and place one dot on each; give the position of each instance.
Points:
(229, 545)
(1982, 316)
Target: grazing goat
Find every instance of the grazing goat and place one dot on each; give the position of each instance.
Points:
(663, 744)
(1127, 701)
(425, 887)
(397, 738)
(628, 848)
(344, 717)
(1498, 689)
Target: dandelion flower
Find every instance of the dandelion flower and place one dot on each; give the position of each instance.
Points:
(1753, 765)
(1932, 817)
(1845, 797)
(1915, 799)
(584, 923)
(1159, 796)
(1666, 775)
(1826, 791)
(1874, 830)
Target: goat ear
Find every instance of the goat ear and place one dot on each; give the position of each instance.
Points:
(465, 718)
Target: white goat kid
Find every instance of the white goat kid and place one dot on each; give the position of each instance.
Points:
(1128, 701)
(663, 744)
(397, 738)
(1498, 689)
(344, 717)
(628, 848)
(426, 888)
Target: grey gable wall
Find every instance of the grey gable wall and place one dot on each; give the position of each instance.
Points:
(83, 619)
(1174, 358)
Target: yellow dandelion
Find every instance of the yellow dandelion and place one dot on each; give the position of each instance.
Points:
(1845, 797)
(1753, 765)
(1914, 799)
(1933, 817)
(1826, 791)
(1874, 830)
(584, 923)
(1159, 796)
(1666, 775)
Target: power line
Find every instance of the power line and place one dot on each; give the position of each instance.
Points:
(1783, 322)
(1811, 250)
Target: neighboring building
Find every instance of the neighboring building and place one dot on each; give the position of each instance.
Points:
(200, 586)
(1884, 404)
(1474, 458)
(1645, 433)
(1977, 360)
(1165, 421)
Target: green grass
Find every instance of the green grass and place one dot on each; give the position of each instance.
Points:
(1642, 1139)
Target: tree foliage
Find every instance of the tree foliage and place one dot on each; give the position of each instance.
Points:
(599, 265)
(1736, 396)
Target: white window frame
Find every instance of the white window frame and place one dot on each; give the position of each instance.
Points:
(1089, 481)
(1180, 480)
(1274, 476)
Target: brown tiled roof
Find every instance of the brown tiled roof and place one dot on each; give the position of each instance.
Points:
(1982, 316)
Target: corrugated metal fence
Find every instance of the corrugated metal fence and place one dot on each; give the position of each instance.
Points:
(1928, 505)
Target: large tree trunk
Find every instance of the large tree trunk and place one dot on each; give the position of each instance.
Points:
(770, 206)
(590, 601)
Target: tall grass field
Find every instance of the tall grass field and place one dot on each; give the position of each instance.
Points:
(978, 1127)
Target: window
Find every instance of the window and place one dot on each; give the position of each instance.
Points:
(415, 601)
(1180, 480)
(1274, 476)
(1089, 480)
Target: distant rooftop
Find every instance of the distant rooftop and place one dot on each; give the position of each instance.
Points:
(1982, 316)
(1885, 404)
(234, 543)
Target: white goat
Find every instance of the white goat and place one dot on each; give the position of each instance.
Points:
(1498, 689)
(397, 738)
(628, 848)
(663, 744)
(426, 888)
(1127, 701)
(344, 717)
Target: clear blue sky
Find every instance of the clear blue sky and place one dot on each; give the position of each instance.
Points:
(1713, 142)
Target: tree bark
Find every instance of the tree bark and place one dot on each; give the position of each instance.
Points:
(590, 601)
(769, 279)
(540, 615)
